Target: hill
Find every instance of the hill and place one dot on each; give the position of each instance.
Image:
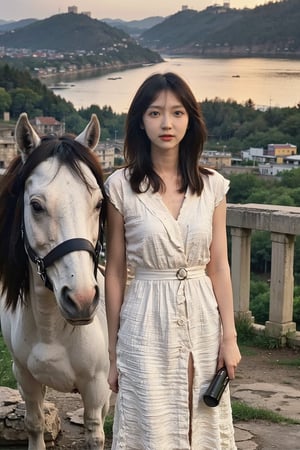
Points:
(269, 30)
(135, 27)
(72, 32)
(9, 26)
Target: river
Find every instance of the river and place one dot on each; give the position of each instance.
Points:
(268, 82)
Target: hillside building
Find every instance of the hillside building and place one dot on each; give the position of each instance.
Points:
(8, 148)
(106, 155)
(216, 160)
(73, 9)
(253, 154)
(280, 151)
(48, 125)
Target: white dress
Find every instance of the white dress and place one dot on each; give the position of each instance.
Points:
(165, 319)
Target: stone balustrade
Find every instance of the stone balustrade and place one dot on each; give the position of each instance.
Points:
(283, 223)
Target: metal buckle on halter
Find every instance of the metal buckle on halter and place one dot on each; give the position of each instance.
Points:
(40, 267)
(181, 273)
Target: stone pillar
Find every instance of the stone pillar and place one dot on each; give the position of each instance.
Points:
(240, 270)
(282, 286)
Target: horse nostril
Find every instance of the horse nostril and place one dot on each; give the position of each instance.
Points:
(79, 306)
(69, 304)
(97, 296)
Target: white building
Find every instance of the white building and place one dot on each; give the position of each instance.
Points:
(253, 154)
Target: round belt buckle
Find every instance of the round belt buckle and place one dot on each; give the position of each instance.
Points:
(181, 273)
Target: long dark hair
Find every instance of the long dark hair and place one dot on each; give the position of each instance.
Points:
(13, 259)
(137, 146)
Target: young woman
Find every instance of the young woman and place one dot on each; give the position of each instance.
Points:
(172, 325)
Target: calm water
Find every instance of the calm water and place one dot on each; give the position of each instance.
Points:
(268, 82)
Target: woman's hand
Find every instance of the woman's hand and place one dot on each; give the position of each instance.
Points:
(229, 356)
(113, 377)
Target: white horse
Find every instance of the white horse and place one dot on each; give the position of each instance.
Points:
(52, 307)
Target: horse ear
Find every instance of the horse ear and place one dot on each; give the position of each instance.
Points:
(26, 137)
(91, 134)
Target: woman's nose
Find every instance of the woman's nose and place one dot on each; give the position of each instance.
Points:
(166, 122)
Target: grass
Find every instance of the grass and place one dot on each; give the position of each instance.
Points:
(247, 336)
(247, 351)
(289, 362)
(6, 375)
(243, 412)
(108, 426)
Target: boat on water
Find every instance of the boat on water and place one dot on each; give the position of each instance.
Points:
(61, 85)
(114, 78)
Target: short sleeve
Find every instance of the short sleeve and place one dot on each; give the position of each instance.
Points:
(114, 187)
(221, 187)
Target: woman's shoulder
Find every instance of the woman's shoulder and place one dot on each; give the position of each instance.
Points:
(118, 177)
(216, 182)
(117, 188)
(213, 175)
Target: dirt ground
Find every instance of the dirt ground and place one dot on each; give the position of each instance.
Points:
(257, 365)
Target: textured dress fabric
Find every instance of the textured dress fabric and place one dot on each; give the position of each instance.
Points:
(169, 313)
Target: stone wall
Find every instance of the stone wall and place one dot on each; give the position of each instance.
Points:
(12, 411)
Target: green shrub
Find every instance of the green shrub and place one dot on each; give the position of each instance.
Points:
(6, 375)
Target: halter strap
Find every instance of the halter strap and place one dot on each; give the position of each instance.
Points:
(71, 245)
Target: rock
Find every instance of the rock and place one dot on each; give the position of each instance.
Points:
(12, 412)
(76, 416)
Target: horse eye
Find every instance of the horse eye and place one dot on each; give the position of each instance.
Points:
(36, 206)
(99, 204)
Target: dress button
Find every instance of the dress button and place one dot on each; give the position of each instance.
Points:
(181, 273)
(180, 322)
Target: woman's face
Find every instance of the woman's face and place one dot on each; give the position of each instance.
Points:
(165, 122)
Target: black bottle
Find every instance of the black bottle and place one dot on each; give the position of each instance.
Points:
(216, 388)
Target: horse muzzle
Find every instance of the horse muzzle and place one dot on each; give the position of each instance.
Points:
(79, 308)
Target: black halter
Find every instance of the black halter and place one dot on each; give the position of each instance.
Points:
(71, 245)
(58, 147)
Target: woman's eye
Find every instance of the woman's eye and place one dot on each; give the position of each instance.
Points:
(153, 113)
(179, 113)
(36, 206)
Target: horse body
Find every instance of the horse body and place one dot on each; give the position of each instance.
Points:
(58, 336)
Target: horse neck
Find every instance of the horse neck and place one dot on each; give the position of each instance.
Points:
(44, 310)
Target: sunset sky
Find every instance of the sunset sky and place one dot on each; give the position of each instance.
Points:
(100, 9)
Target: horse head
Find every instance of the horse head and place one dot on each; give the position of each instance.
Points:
(59, 186)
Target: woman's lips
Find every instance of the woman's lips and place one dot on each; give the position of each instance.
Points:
(166, 137)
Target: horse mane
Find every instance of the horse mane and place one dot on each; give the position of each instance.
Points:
(14, 273)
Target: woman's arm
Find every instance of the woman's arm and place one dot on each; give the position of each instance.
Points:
(115, 281)
(219, 272)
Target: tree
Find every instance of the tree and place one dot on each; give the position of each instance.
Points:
(242, 186)
(74, 123)
(5, 101)
(290, 178)
(24, 100)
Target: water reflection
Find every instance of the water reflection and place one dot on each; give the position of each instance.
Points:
(268, 82)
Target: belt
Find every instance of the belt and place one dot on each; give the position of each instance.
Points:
(182, 273)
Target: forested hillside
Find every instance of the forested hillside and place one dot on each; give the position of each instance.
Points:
(268, 30)
(77, 32)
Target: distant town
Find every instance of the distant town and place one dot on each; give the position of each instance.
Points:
(267, 162)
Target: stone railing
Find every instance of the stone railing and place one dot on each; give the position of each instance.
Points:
(283, 223)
